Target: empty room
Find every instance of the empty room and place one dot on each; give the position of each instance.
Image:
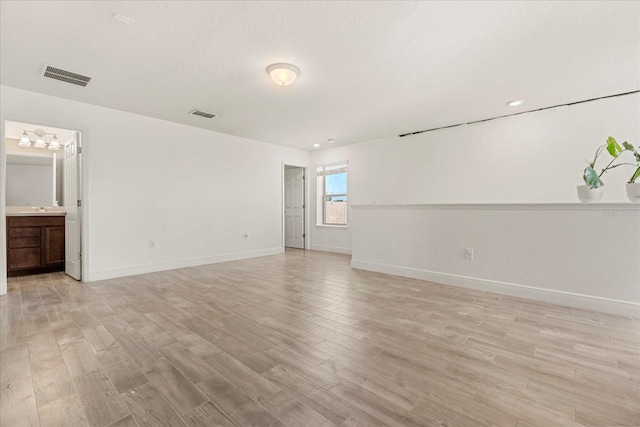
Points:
(319, 213)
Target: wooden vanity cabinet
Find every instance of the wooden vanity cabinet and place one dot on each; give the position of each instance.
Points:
(35, 244)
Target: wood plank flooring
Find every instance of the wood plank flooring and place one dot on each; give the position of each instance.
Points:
(301, 339)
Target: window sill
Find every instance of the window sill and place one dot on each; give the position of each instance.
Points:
(332, 226)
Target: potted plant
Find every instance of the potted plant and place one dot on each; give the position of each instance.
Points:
(633, 187)
(592, 191)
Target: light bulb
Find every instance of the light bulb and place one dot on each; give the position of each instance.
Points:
(40, 143)
(55, 144)
(24, 141)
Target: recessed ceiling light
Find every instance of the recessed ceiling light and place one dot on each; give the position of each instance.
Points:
(316, 145)
(124, 19)
(515, 103)
(330, 141)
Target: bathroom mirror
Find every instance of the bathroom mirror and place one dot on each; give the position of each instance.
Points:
(31, 180)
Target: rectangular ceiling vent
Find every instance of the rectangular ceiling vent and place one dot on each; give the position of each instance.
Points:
(202, 114)
(65, 76)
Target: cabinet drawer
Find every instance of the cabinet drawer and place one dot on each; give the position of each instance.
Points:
(24, 231)
(24, 242)
(34, 221)
(24, 258)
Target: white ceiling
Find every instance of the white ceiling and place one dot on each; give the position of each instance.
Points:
(369, 69)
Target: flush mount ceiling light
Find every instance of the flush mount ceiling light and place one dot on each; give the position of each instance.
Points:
(330, 141)
(316, 145)
(515, 103)
(283, 74)
(39, 141)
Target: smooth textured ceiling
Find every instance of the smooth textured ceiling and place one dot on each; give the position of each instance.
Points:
(369, 69)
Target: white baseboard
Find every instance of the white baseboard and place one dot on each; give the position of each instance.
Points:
(152, 268)
(336, 249)
(569, 299)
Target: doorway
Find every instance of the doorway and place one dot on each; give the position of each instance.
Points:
(294, 207)
(50, 193)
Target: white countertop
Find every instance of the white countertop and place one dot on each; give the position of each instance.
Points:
(53, 213)
(35, 211)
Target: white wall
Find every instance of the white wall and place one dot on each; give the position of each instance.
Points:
(192, 191)
(585, 256)
(534, 158)
(530, 158)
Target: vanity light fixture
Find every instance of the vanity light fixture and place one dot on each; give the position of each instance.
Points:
(515, 103)
(54, 144)
(40, 141)
(25, 141)
(283, 74)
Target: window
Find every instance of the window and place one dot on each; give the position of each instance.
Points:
(332, 194)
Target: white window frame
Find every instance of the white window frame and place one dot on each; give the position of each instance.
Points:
(321, 172)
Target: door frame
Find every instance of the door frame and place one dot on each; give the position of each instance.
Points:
(307, 234)
(85, 190)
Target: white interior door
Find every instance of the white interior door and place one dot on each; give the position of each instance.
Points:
(294, 207)
(72, 205)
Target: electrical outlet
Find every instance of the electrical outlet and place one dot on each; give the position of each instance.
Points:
(468, 253)
(152, 244)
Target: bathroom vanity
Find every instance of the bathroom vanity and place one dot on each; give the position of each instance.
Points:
(35, 242)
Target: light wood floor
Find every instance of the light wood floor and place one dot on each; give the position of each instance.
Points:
(301, 339)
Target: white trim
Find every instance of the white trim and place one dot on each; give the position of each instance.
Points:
(336, 249)
(152, 268)
(588, 302)
(323, 165)
(3, 209)
(507, 206)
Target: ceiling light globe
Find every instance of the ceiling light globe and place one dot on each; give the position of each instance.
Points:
(54, 144)
(283, 74)
(39, 143)
(515, 103)
(24, 141)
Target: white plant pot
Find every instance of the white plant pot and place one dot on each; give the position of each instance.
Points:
(633, 192)
(589, 195)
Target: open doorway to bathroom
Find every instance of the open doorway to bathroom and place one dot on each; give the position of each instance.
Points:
(43, 205)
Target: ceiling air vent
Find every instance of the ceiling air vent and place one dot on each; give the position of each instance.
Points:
(65, 76)
(202, 114)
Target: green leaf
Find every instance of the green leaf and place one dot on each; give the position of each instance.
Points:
(591, 178)
(613, 147)
(628, 146)
(635, 176)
